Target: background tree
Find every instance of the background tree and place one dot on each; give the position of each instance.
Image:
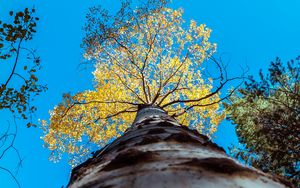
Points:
(144, 56)
(267, 118)
(18, 80)
(20, 85)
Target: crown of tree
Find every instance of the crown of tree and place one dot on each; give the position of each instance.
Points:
(152, 58)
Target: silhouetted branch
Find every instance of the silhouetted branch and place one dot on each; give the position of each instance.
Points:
(223, 80)
(12, 175)
(7, 143)
(187, 108)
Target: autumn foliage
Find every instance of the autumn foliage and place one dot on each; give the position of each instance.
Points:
(152, 58)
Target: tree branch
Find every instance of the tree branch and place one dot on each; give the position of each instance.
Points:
(15, 63)
(201, 98)
(186, 109)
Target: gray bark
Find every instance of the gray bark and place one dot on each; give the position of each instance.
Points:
(158, 152)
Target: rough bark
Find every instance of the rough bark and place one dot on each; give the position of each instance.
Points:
(158, 152)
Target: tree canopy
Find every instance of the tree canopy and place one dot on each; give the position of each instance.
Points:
(267, 117)
(20, 85)
(141, 56)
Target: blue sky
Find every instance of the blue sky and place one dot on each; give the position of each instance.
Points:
(251, 32)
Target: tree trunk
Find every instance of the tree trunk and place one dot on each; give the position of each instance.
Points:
(158, 152)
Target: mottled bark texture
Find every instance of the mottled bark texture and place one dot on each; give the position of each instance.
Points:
(158, 152)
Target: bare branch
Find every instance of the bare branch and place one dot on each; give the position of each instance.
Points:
(186, 109)
(12, 175)
(4, 138)
(204, 97)
(15, 63)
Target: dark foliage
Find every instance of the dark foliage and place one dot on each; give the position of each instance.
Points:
(20, 85)
(18, 80)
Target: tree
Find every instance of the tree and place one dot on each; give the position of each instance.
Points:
(19, 83)
(267, 116)
(23, 62)
(148, 59)
(147, 71)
